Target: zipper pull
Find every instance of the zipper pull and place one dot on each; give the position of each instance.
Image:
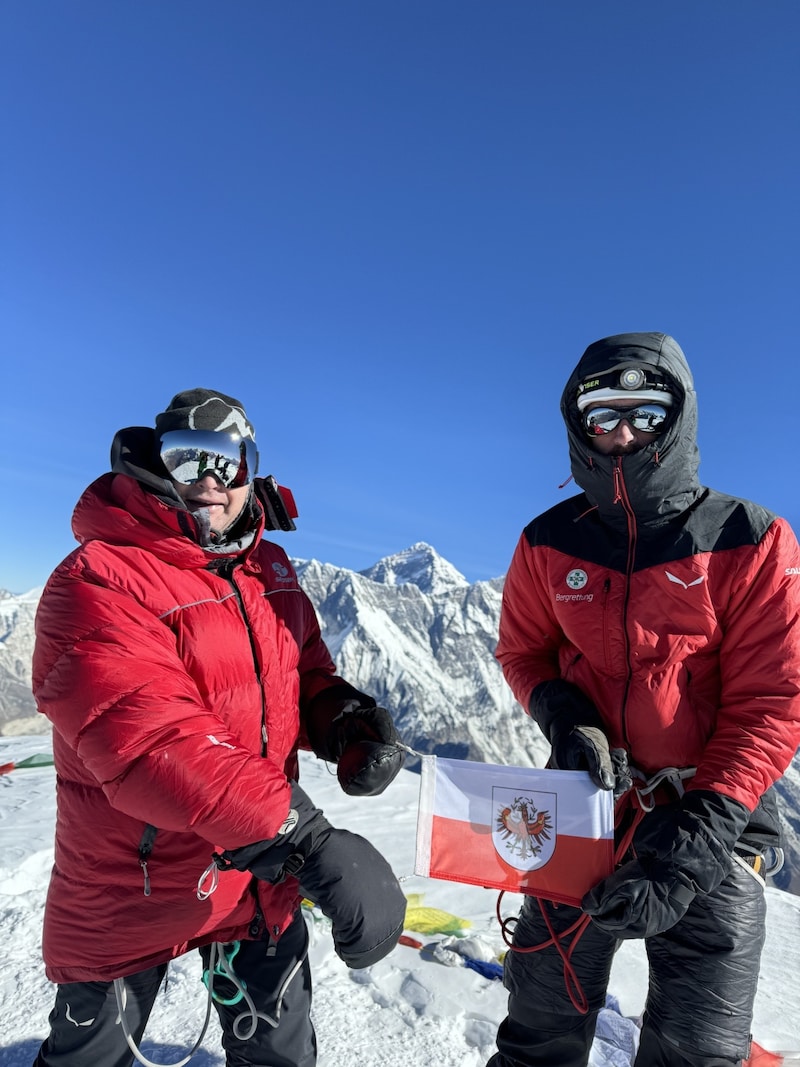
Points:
(617, 482)
(143, 865)
(145, 848)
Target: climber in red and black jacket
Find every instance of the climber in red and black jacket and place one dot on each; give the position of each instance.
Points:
(182, 667)
(651, 622)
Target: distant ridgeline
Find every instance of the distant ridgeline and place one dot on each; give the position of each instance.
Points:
(413, 632)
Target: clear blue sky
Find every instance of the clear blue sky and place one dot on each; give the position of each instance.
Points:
(390, 228)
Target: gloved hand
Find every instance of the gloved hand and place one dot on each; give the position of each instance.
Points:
(681, 850)
(341, 872)
(572, 725)
(370, 753)
(359, 737)
(304, 829)
(583, 748)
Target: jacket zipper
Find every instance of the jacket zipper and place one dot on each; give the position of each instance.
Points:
(145, 848)
(621, 497)
(226, 571)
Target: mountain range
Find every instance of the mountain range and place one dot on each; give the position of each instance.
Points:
(413, 632)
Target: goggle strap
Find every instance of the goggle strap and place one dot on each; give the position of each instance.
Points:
(280, 510)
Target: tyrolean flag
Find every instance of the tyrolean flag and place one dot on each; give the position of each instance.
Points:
(521, 829)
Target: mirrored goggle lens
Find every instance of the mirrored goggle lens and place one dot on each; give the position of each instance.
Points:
(189, 455)
(647, 417)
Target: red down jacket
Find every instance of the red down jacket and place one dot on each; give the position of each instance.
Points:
(174, 691)
(674, 608)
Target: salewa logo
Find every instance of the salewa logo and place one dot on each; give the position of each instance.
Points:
(686, 585)
(68, 1013)
(792, 570)
(214, 741)
(289, 823)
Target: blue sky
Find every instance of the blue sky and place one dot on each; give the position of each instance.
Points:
(390, 228)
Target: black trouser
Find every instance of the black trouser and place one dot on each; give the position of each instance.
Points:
(84, 1028)
(703, 979)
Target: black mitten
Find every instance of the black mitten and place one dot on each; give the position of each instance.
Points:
(572, 725)
(356, 888)
(371, 755)
(340, 871)
(682, 849)
(345, 727)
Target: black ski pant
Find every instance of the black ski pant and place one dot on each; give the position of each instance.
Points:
(84, 1026)
(703, 978)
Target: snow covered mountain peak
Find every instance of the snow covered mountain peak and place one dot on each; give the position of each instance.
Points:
(420, 565)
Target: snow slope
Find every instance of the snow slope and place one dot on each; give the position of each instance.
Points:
(406, 1010)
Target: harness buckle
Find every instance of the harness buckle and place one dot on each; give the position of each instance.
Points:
(671, 776)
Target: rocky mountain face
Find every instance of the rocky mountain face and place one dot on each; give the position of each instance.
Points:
(17, 708)
(414, 633)
(418, 637)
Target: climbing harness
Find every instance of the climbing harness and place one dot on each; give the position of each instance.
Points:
(756, 863)
(220, 965)
(639, 799)
(671, 776)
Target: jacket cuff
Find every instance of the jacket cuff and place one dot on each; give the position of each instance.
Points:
(558, 702)
(722, 817)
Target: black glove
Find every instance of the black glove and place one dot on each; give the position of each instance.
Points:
(572, 725)
(303, 831)
(341, 872)
(682, 849)
(345, 727)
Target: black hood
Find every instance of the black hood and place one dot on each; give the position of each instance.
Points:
(134, 451)
(662, 479)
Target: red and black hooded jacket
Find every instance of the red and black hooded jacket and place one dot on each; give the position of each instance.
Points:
(672, 607)
(179, 680)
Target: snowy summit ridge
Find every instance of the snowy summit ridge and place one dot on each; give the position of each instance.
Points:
(419, 565)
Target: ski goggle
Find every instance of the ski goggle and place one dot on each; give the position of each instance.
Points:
(649, 418)
(190, 455)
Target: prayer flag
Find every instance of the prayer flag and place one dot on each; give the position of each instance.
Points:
(545, 832)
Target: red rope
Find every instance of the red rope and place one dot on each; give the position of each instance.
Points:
(571, 981)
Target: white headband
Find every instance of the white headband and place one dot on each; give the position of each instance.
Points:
(642, 396)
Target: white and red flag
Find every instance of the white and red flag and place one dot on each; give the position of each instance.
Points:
(545, 832)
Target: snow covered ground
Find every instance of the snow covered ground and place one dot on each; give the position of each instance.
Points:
(407, 1009)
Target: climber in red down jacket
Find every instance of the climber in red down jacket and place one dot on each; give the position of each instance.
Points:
(650, 627)
(182, 667)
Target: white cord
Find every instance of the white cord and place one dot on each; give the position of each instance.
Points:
(121, 993)
(253, 1014)
(210, 875)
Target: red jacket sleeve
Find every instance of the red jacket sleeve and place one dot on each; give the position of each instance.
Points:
(758, 722)
(529, 635)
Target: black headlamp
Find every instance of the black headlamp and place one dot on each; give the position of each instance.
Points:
(641, 382)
